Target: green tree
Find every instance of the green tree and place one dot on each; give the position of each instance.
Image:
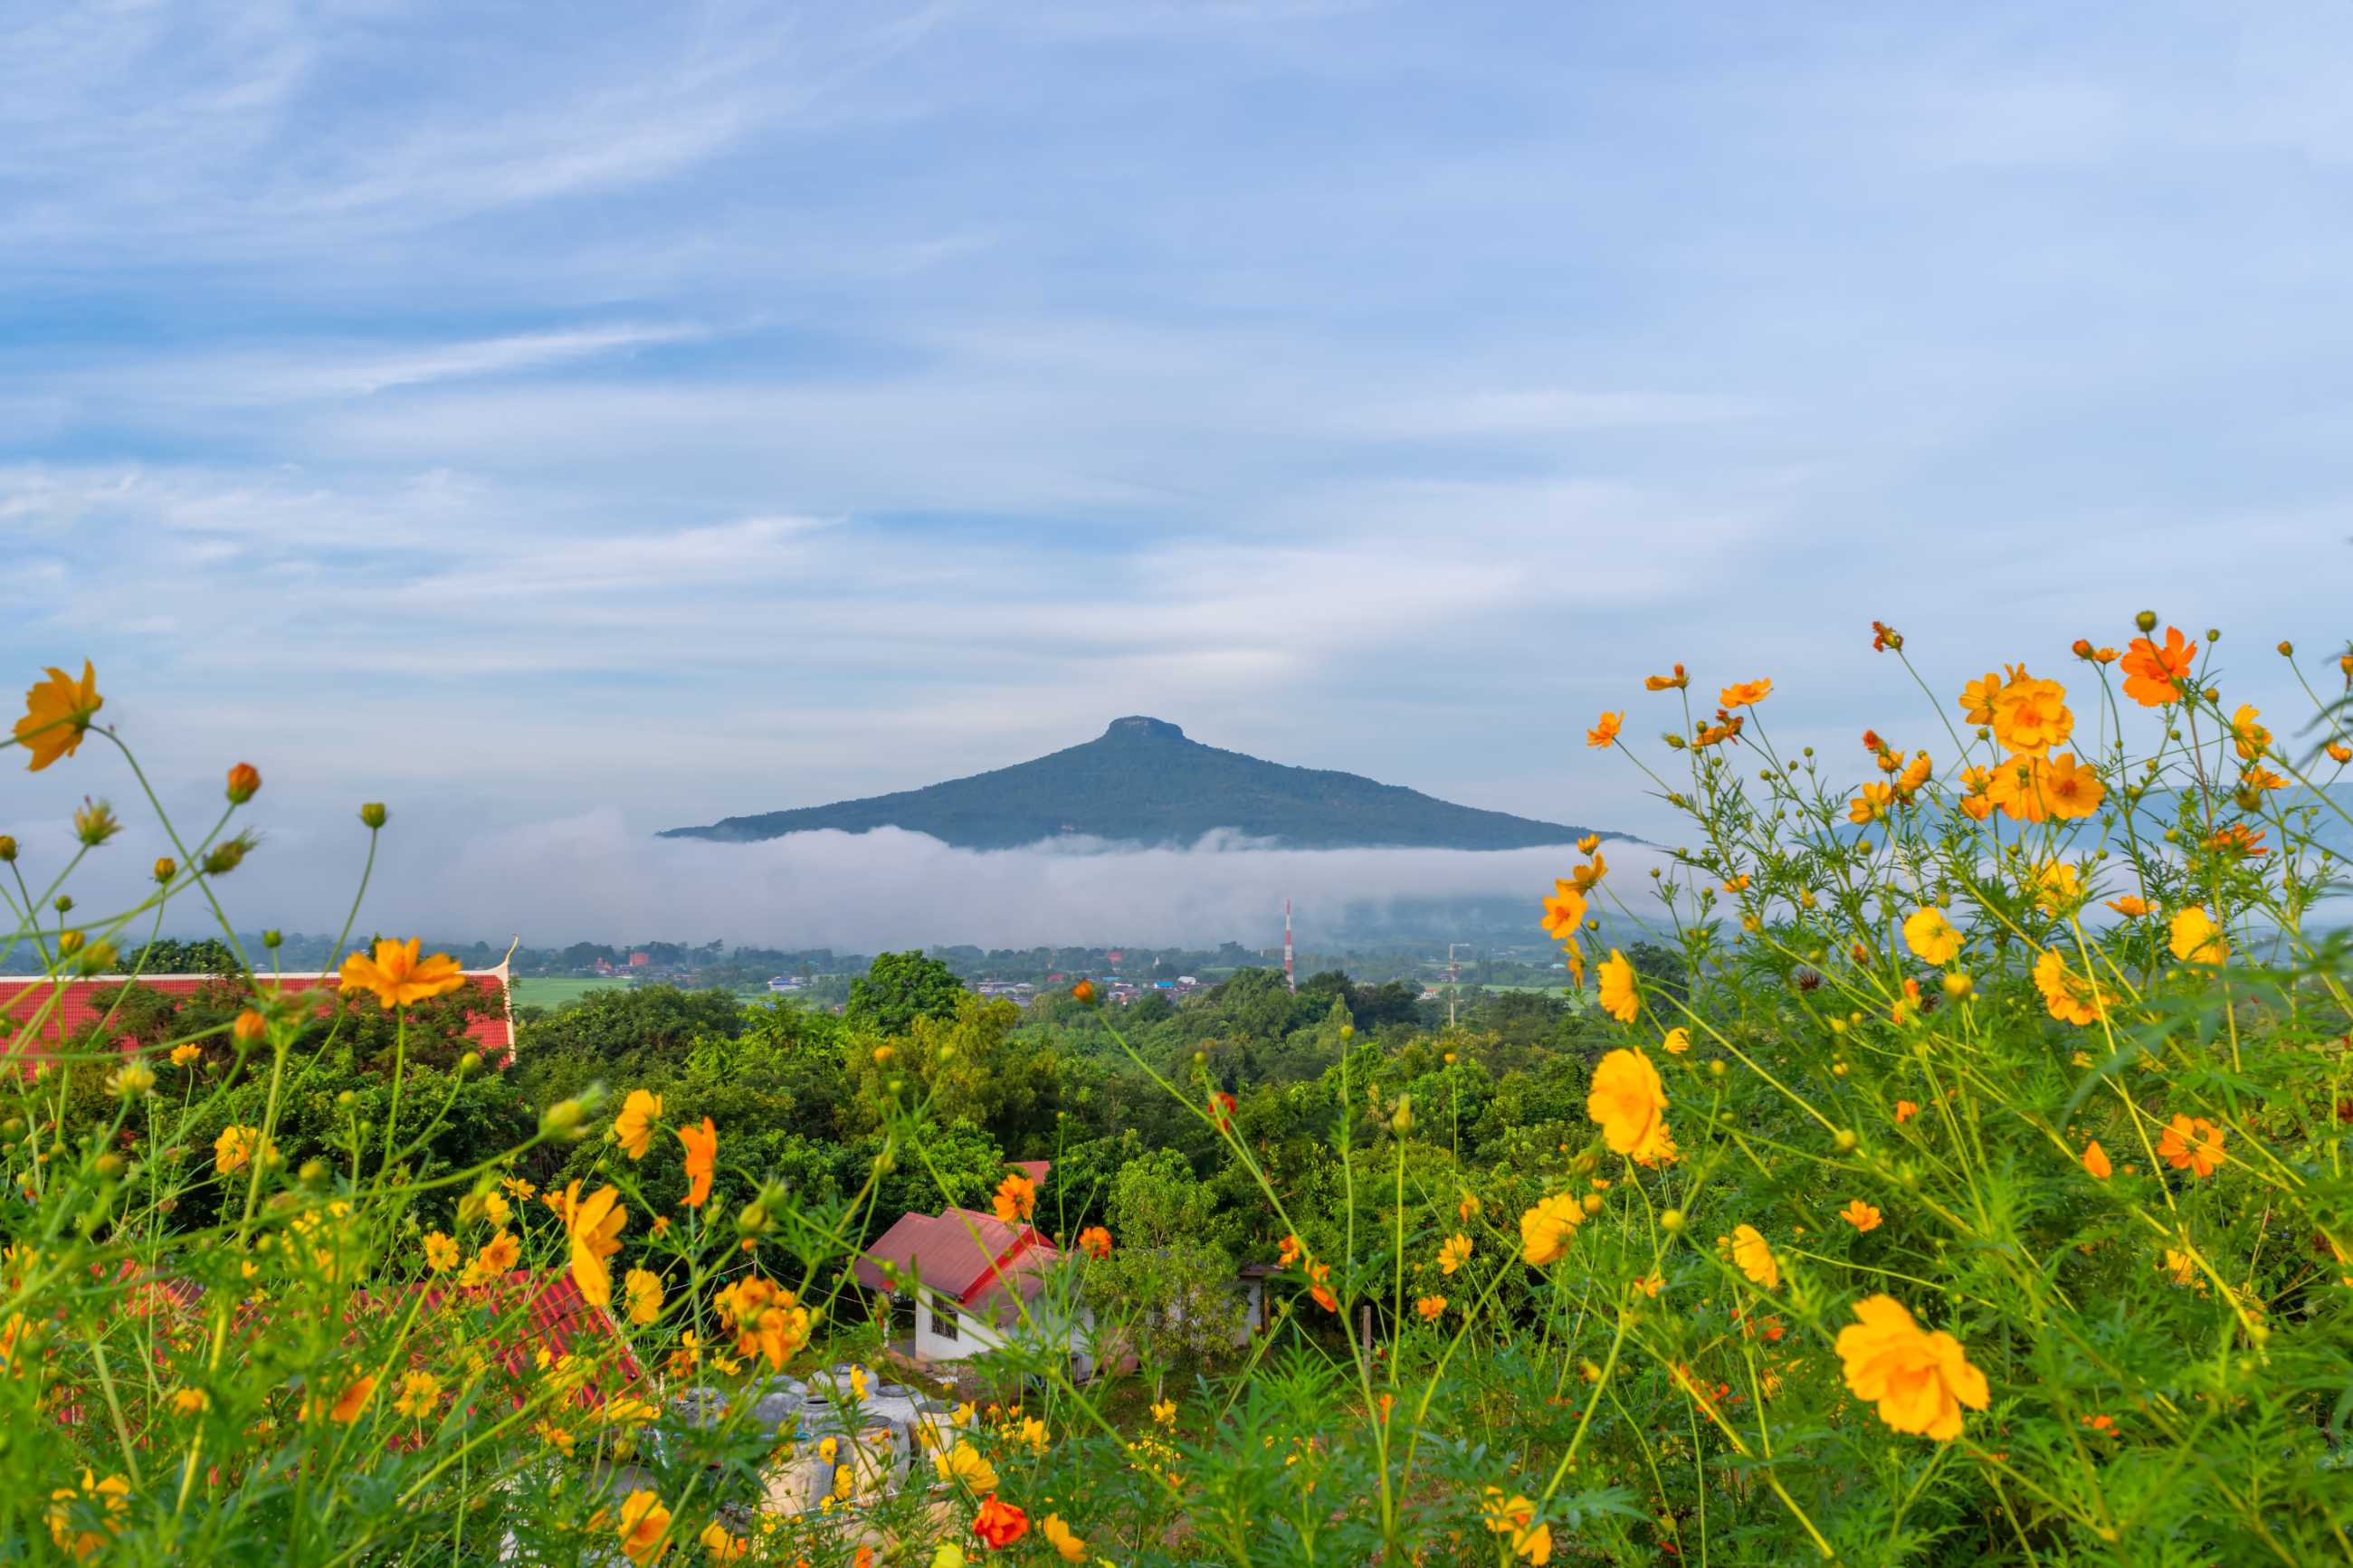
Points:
(1167, 1291)
(898, 989)
(170, 955)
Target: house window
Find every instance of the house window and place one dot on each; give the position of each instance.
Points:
(944, 1318)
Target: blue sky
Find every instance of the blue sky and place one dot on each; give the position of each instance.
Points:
(657, 413)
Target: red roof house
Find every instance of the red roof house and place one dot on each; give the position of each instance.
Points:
(38, 1011)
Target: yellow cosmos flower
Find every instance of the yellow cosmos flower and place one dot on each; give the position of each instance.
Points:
(644, 1289)
(1588, 843)
(1453, 1253)
(1931, 936)
(1919, 1380)
(1572, 958)
(2250, 739)
(2197, 939)
(440, 1252)
(399, 977)
(1066, 1542)
(2129, 906)
(1629, 1103)
(1564, 912)
(2058, 887)
(1618, 998)
(1677, 1042)
(594, 1227)
(187, 1054)
(1755, 1256)
(635, 1126)
(1516, 1516)
(1605, 730)
(72, 1510)
(58, 712)
(722, 1546)
(766, 1319)
(1872, 802)
(238, 1147)
(1547, 1229)
(966, 1465)
(420, 1392)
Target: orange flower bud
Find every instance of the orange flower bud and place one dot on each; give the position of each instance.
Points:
(243, 781)
(167, 869)
(1083, 992)
(2083, 649)
(248, 1028)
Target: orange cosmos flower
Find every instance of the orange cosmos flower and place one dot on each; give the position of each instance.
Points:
(1619, 998)
(2095, 1161)
(1860, 1214)
(1016, 1198)
(1885, 637)
(1095, 1242)
(2129, 906)
(1563, 911)
(1605, 730)
(1755, 1257)
(2191, 1143)
(1573, 957)
(1584, 876)
(2069, 790)
(702, 1158)
(2196, 938)
(1588, 843)
(1547, 1229)
(1920, 1380)
(2031, 716)
(767, 1319)
(1904, 1111)
(635, 1126)
(2071, 998)
(2153, 675)
(1288, 1252)
(1430, 1307)
(644, 1524)
(1745, 693)
(2340, 752)
(399, 977)
(1674, 682)
(1000, 1524)
(352, 1401)
(1629, 1103)
(2238, 839)
(595, 1229)
(1726, 728)
(56, 713)
(1318, 1287)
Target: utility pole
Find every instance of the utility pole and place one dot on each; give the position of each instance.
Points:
(1453, 980)
(1290, 973)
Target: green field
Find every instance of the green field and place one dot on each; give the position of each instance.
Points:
(554, 991)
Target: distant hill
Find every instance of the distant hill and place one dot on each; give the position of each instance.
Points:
(1140, 781)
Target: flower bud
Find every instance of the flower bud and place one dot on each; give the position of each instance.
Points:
(2286, 648)
(312, 1173)
(1083, 992)
(108, 1164)
(272, 938)
(95, 822)
(69, 943)
(752, 1220)
(228, 855)
(165, 869)
(1347, 1031)
(249, 1027)
(1716, 1068)
(97, 958)
(882, 1055)
(243, 781)
(373, 813)
(7, 847)
(1401, 1119)
(2145, 621)
(1592, 1203)
(1957, 985)
(131, 1080)
(471, 1063)
(1672, 1222)
(1845, 1140)
(563, 1116)
(2213, 634)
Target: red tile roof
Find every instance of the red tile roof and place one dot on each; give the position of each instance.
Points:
(961, 1253)
(66, 1007)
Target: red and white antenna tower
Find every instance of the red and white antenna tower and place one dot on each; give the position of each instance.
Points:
(1290, 973)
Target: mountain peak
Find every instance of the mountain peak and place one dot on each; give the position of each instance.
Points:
(1143, 781)
(1136, 726)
